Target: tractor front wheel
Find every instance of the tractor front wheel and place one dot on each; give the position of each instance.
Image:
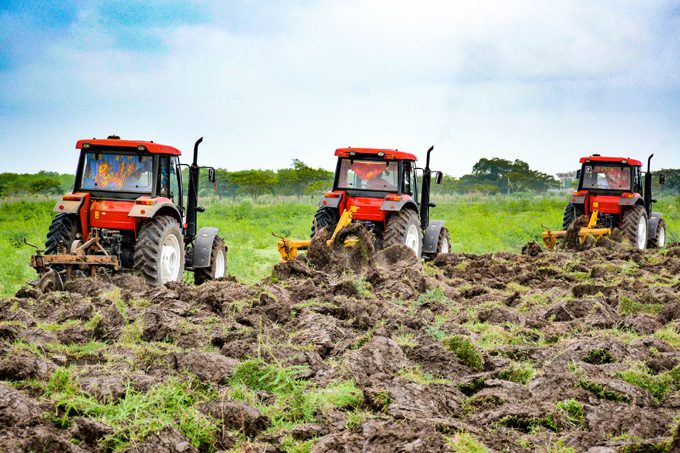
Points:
(325, 218)
(659, 240)
(64, 229)
(634, 226)
(218, 263)
(443, 244)
(571, 213)
(404, 228)
(159, 251)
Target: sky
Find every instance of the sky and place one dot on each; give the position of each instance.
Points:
(265, 82)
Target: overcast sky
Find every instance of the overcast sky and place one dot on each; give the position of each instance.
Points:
(266, 82)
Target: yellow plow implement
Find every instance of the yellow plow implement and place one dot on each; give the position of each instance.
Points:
(288, 248)
(550, 237)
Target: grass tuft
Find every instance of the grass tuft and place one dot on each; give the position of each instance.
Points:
(573, 411)
(465, 351)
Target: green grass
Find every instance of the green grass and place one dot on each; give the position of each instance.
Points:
(573, 412)
(602, 392)
(295, 400)
(137, 414)
(521, 373)
(477, 225)
(659, 385)
(465, 351)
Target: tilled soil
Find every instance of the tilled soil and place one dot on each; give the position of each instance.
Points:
(514, 352)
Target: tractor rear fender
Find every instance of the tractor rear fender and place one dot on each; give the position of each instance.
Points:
(403, 202)
(160, 207)
(636, 199)
(71, 203)
(331, 200)
(431, 236)
(203, 247)
(577, 199)
(653, 224)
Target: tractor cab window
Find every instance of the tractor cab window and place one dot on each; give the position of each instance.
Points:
(175, 188)
(637, 180)
(168, 180)
(368, 175)
(606, 177)
(116, 172)
(410, 181)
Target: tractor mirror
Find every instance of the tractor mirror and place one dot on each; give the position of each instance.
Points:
(662, 179)
(578, 174)
(211, 175)
(438, 176)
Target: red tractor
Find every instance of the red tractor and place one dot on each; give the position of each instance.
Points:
(610, 194)
(127, 212)
(380, 189)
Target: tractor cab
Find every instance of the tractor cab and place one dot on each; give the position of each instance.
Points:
(128, 169)
(376, 180)
(610, 175)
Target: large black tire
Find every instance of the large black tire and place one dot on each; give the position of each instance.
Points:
(659, 239)
(443, 245)
(156, 265)
(633, 220)
(571, 213)
(218, 266)
(64, 228)
(404, 228)
(325, 218)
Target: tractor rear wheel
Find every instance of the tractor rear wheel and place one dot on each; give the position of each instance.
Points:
(404, 228)
(159, 251)
(325, 218)
(659, 240)
(218, 263)
(64, 229)
(634, 226)
(571, 213)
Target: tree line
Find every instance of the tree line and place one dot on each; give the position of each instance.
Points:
(488, 176)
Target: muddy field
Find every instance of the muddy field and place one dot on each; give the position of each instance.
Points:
(358, 353)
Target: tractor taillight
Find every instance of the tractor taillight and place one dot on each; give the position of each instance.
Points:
(627, 195)
(72, 198)
(146, 202)
(393, 197)
(332, 195)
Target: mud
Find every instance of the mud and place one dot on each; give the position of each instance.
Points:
(596, 331)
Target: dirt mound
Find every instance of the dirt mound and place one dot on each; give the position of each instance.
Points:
(572, 241)
(347, 349)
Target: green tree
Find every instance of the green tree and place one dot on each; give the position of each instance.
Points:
(295, 180)
(254, 182)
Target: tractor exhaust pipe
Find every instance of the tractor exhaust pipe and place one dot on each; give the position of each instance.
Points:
(647, 196)
(192, 200)
(425, 197)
